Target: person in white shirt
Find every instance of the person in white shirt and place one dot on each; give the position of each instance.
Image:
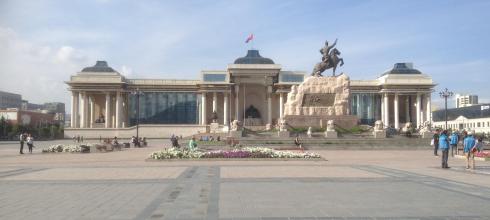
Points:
(30, 142)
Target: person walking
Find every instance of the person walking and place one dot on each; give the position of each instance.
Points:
(444, 145)
(21, 139)
(435, 140)
(479, 144)
(469, 144)
(192, 144)
(30, 142)
(454, 143)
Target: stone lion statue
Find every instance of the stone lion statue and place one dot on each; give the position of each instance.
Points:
(330, 125)
(407, 127)
(235, 125)
(378, 125)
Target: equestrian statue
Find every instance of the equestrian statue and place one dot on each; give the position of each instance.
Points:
(330, 59)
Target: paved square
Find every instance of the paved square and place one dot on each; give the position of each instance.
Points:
(122, 185)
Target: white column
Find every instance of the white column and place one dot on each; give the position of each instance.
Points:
(382, 109)
(417, 111)
(397, 125)
(225, 110)
(203, 111)
(107, 110)
(281, 105)
(215, 102)
(92, 111)
(237, 90)
(74, 109)
(118, 109)
(407, 108)
(387, 110)
(428, 108)
(84, 109)
(269, 105)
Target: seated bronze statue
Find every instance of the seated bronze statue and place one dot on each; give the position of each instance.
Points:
(252, 112)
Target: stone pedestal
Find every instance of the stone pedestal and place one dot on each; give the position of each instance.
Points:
(379, 134)
(426, 134)
(330, 134)
(214, 127)
(283, 134)
(235, 134)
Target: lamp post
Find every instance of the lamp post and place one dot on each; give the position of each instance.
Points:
(445, 94)
(137, 93)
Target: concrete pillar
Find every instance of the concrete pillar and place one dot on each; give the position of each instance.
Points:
(269, 105)
(74, 109)
(397, 123)
(428, 108)
(281, 105)
(203, 110)
(382, 109)
(84, 110)
(225, 109)
(118, 109)
(108, 110)
(387, 110)
(215, 102)
(92, 111)
(407, 108)
(417, 111)
(237, 90)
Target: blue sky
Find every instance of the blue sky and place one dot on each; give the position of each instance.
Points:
(42, 43)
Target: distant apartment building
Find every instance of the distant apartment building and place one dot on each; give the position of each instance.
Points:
(466, 100)
(10, 100)
(471, 118)
(27, 118)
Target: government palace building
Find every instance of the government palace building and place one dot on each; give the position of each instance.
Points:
(252, 90)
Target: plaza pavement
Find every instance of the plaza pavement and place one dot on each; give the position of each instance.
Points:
(378, 184)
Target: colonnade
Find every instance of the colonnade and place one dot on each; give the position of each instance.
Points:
(422, 108)
(83, 109)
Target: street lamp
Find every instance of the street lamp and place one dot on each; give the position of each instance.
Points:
(137, 93)
(445, 94)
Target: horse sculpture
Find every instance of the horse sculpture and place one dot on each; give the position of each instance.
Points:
(331, 62)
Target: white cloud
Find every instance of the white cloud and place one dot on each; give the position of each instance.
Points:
(126, 71)
(37, 72)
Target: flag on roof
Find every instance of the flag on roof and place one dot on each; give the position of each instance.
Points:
(249, 38)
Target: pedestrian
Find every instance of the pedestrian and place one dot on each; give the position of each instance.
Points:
(454, 143)
(30, 142)
(444, 146)
(133, 140)
(435, 140)
(21, 139)
(78, 138)
(81, 139)
(298, 143)
(192, 144)
(469, 150)
(479, 144)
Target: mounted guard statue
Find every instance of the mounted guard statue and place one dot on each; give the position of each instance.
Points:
(330, 59)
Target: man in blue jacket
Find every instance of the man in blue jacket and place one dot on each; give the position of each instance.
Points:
(444, 146)
(469, 144)
(454, 143)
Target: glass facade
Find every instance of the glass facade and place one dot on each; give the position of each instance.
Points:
(164, 108)
(285, 77)
(366, 106)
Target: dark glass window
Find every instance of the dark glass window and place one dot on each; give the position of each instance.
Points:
(292, 78)
(207, 77)
(164, 108)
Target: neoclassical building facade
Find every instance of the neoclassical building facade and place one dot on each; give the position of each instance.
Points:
(252, 89)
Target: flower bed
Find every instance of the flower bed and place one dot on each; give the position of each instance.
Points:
(482, 154)
(72, 148)
(247, 152)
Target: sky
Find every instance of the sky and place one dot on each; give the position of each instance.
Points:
(43, 43)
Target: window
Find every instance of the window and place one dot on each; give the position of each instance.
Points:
(291, 77)
(478, 124)
(164, 108)
(208, 77)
